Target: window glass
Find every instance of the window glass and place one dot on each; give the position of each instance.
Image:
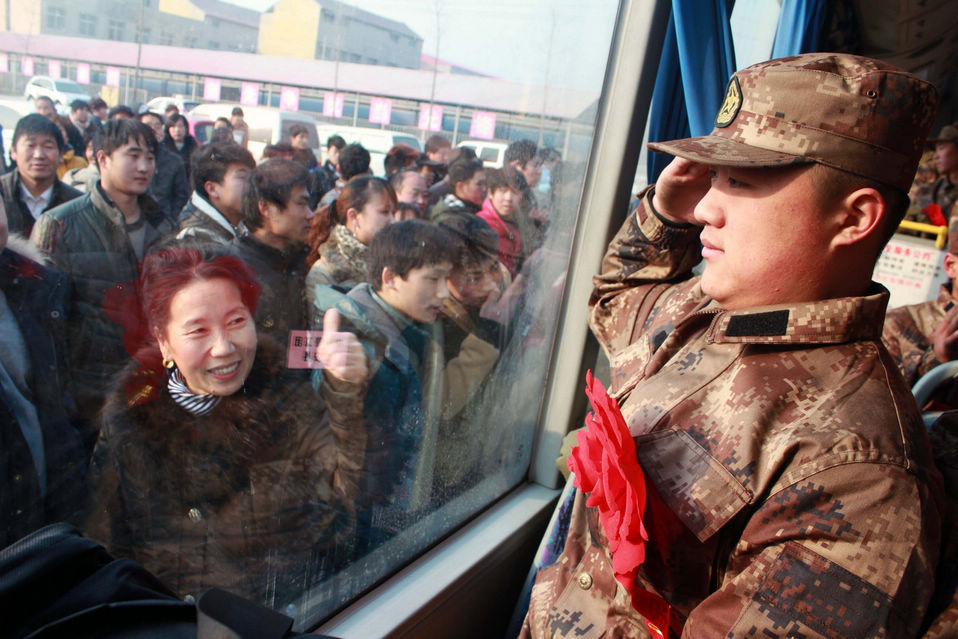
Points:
(68, 86)
(220, 452)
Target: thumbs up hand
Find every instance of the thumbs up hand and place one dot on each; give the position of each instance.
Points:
(340, 352)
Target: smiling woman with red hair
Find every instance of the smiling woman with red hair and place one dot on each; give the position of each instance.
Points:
(215, 466)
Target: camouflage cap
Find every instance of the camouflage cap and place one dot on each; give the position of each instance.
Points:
(848, 112)
(948, 133)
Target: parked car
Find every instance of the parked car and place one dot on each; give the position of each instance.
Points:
(267, 125)
(491, 153)
(376, 141)
(61, 91)
(183, 103)
(201, 127)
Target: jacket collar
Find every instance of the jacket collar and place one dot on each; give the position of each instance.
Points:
(148, 208)
(831, 321)
(212, 212)
(280, 258)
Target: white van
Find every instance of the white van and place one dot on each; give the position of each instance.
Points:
(267, 125)
(376, 141)
(491, 153)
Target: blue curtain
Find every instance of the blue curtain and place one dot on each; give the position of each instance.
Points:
(697, 60)
(800, 27)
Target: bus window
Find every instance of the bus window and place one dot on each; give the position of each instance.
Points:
(279, 481)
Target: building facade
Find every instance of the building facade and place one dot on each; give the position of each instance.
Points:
(204, 24)
(331, 30)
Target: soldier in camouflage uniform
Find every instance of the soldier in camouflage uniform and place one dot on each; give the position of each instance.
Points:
(791, 490)
(944, 190)
(922, 336)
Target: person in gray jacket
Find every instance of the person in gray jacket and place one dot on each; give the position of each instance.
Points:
(98, 241)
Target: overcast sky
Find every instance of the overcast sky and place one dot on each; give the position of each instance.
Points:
(508, 38)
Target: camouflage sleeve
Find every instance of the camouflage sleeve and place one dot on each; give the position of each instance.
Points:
(912, 350)
(646, 251)
(848, 552)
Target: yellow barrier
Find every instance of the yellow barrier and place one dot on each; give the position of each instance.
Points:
(940, 232)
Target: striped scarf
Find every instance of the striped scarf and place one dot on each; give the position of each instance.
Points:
(187, 399)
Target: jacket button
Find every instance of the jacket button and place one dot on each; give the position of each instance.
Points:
(268, 322)
(195, 515)
(54, 314)
(17, 477)
(585, 581)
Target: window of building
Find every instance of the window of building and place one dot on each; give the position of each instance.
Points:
(166, 38)
(115, 30)
(214, 22)
(55, 18)
(145, 34)
(328, 15)
(87, 24)
(214, 44)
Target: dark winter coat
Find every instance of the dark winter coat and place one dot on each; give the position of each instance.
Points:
(36, 297)
(255, 497)
(282, 279)
(19, 219)
(189, 145)
(170, 186)
(87, 241)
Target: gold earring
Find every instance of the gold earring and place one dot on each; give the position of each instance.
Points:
(168, 363)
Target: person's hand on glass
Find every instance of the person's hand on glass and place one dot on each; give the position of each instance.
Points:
(340, 352)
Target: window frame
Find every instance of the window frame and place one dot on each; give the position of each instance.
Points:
(115, 30)
(412, 598)
(87, 25)
(55, 18)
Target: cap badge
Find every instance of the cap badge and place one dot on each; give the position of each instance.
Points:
(733, 102)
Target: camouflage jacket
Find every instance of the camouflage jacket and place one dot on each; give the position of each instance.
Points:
(942, 192)
(909, 334)
(791, 490)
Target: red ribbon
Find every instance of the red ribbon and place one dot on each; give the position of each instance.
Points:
(933, 211)
(605, 466)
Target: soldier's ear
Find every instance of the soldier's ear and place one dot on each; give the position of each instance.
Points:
(951, 265)
(861, 217)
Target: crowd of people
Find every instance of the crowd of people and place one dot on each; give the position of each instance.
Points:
(248, 372)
